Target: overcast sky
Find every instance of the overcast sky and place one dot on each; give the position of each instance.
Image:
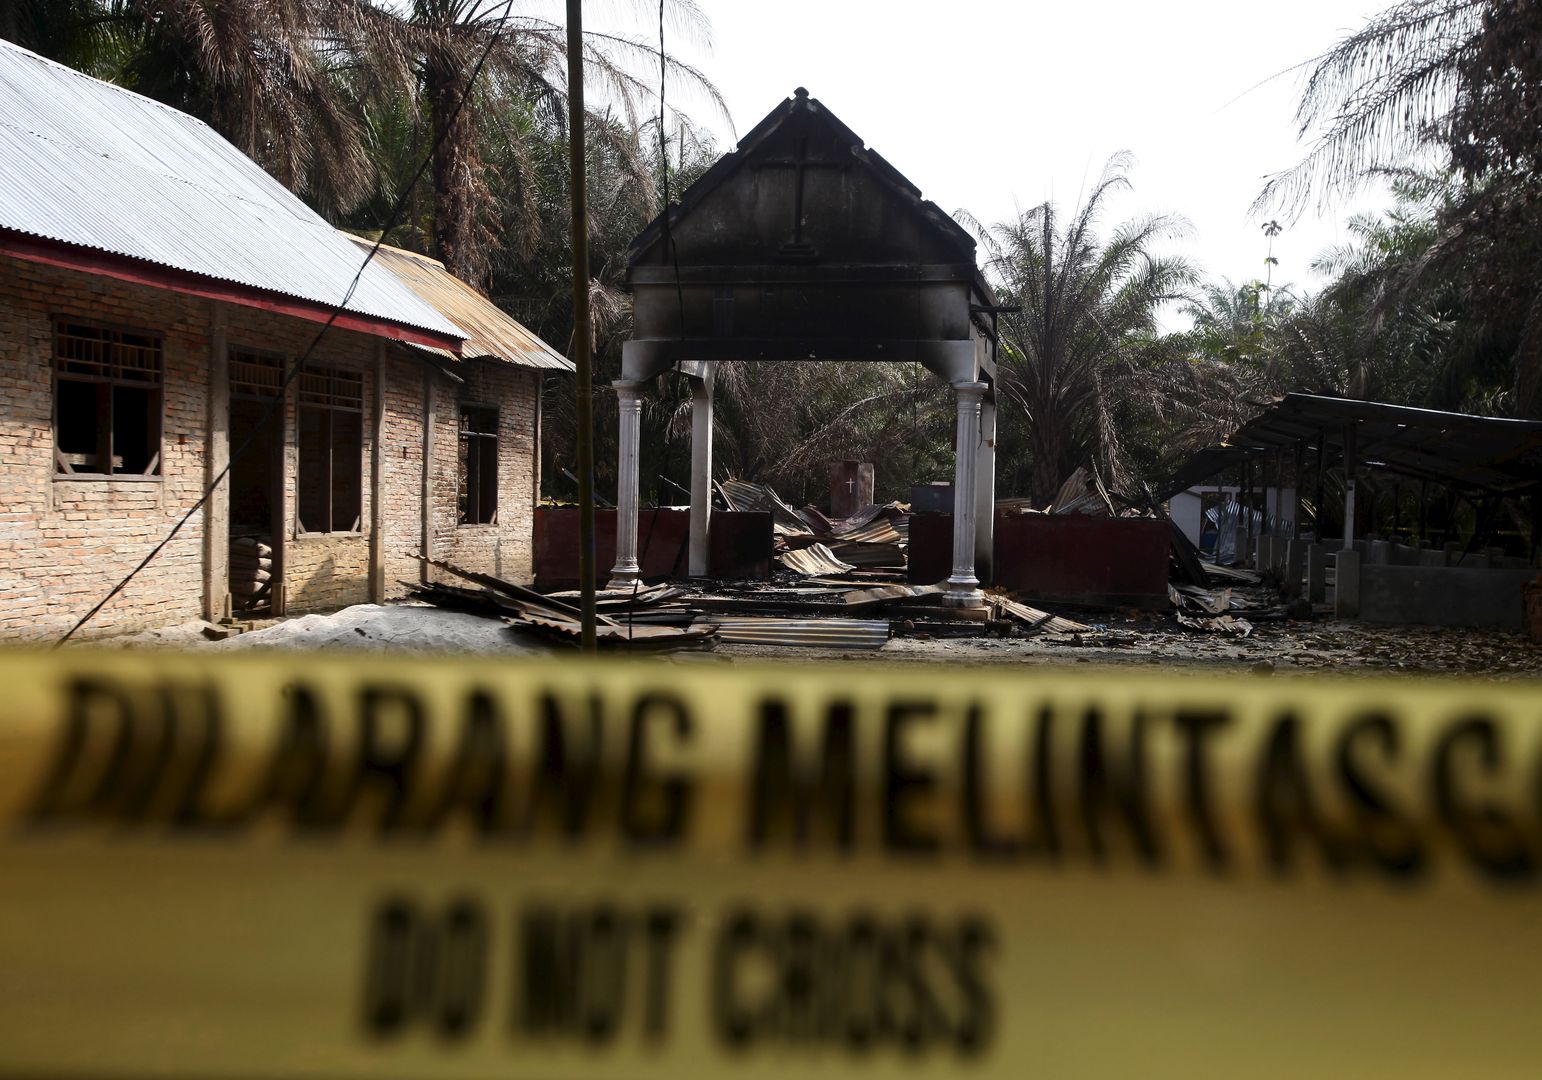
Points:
(997, 105)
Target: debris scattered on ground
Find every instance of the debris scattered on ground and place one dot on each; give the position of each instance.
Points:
(1224, 624)
(875, 537)
(1032, 619)
(826, 633)
(646, 638)
(552, 617)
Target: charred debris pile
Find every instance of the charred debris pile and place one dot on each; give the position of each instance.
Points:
(842, 584)
(840, 610)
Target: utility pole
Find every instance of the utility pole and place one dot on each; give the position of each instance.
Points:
(581, 332)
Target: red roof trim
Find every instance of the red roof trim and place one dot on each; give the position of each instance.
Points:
(139, 272)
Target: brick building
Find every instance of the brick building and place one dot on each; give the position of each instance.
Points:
(156, 291)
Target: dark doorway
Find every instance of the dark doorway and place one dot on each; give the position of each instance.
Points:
(256, 484)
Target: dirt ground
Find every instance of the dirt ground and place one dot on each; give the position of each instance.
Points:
(1285, 647)
(1275, 645)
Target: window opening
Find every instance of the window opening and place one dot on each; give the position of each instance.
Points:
(331, 439)
(255, 375)
(478, 465)
(107, 401)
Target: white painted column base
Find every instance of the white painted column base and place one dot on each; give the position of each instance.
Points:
(627, 572)
(963, 588)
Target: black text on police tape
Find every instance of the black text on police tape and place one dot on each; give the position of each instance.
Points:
(152, 755)
(606, 973)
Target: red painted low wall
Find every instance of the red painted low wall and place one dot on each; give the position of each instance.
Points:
(1068, 558)
(740, 547)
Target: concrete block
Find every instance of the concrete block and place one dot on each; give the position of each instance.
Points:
(1443, 596)
(1432, 557)
(1295, 566)
(1378, 552)
(1277, 554)
(1346, 586)
(1317, 572)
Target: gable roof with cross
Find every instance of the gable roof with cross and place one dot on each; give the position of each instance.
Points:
(803, 243)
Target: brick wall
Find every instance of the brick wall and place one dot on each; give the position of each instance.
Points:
(65, 542)
(403, 460)
(503, 548)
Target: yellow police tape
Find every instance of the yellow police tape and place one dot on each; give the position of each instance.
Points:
(326, 868)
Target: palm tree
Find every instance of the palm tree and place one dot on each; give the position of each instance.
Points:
(523, 86)
(280, 79)
(79, 33)
(1088, 327)
(1378, 97)
(329, 95)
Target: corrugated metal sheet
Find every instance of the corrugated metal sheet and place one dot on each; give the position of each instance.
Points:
(808, 633)
(87, 163)
(814, 559)
(745, 495)
(889, 556)
(492, 332)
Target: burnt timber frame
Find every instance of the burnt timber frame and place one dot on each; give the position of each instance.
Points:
(803, 244)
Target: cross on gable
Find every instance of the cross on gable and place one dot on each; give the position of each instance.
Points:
(796, 247)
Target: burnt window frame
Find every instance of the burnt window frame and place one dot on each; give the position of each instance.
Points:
(320, 389)
(487, 441)
(62, 326)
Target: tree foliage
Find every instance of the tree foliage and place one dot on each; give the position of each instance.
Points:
(1086, 336)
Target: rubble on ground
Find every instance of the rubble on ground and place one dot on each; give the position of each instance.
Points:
(839, 588)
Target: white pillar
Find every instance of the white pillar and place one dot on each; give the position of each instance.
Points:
(963, 587)
(1351, 466)
(626, 572)
(701, 475)
(985, 493)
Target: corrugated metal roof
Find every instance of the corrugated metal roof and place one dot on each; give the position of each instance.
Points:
(87, 163)
(491, 331)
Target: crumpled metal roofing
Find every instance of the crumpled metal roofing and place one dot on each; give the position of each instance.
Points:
(491, 332)
(813, 560)
(811, 633)
(87, 163)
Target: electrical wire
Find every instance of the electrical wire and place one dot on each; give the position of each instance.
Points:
(391, 220)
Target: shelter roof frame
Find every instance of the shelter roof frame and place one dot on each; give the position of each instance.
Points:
(1490, 454)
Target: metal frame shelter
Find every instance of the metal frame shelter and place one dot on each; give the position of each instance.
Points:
(802, 244)
(1487, 454)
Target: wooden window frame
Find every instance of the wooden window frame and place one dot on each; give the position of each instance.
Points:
(323, 389)
(263, 359)
(469, 512)
(105, 382)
